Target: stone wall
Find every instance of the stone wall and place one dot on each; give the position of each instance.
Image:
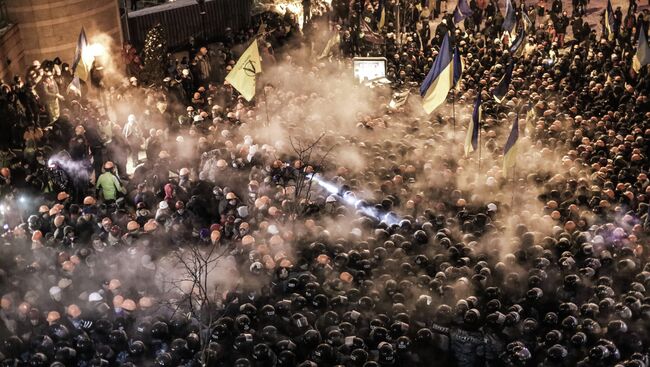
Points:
(11, 53)
(50, 28)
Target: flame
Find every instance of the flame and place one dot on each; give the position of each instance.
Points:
(91, 52)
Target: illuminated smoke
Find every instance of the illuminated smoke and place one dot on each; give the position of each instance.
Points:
(350, 199)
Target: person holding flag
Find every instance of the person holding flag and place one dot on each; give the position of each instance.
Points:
(504, 84)
(473, 131)
(243, 76)
(462, 11)
(509, 20)
(642, 55)
(439, 80)
(608, 22)
(530, 119)
(79, 68)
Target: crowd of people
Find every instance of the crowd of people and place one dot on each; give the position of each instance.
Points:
(180, 225)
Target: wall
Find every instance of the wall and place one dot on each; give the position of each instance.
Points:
(10, 50)
(50, 28)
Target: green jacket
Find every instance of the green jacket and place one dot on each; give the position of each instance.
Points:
(110, 186)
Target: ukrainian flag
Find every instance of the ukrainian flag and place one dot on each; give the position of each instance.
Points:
(381, 14)
(642, 56)
(509, 20)
(462, 11)
(511, 148)
(243, 76)
(471, 140)
(79, 67)
(515, 48)
(440, 79)
(609, 21)
(502, 88)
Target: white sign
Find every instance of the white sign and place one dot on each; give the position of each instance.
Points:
(369, 68)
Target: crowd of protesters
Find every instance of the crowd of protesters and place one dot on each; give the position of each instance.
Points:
(98, 192)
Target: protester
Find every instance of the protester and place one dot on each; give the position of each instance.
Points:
(297, 229)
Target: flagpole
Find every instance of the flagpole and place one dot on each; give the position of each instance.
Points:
(479, 147)
(514, 184)
(453, 113)
(266, 106)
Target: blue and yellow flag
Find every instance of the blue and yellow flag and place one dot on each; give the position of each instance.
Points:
(609, 21)
(79, 67)
(471, 140)
(511, 149)
(440, 79)
(462, 11)
(642, 56)
(515, 48)
(509, 20)
(502, 88)
(381, 14)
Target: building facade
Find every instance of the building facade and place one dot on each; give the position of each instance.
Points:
(45, 29)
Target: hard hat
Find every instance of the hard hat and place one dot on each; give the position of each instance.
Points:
(73, 311)
(150, 226)
(108, 165)
(62, 196)
(43, 209)
(58, 220)
(55, 210)
(128, 305)
(53, 316)
(37, 236)
(248, 240)
(184, 172)
(89, 200)
(221, 163)
(94, 297)
(132, 226)
(114, 284)
(215, 236)
(145, 302)
(231, 196)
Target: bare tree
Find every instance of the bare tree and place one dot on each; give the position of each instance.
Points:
(312, 159)
(196, 286)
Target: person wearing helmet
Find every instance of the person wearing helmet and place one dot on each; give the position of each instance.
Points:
(108, 184)
(80, 158)
(184, 180)
(133, 136)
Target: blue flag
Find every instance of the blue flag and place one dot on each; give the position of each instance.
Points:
(516, 44)
(440, 79)
(510, 150)
(509, 20)
(471, 140)
(462, 11)
(502, 88)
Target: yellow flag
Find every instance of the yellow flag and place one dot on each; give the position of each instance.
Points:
(243, 76)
